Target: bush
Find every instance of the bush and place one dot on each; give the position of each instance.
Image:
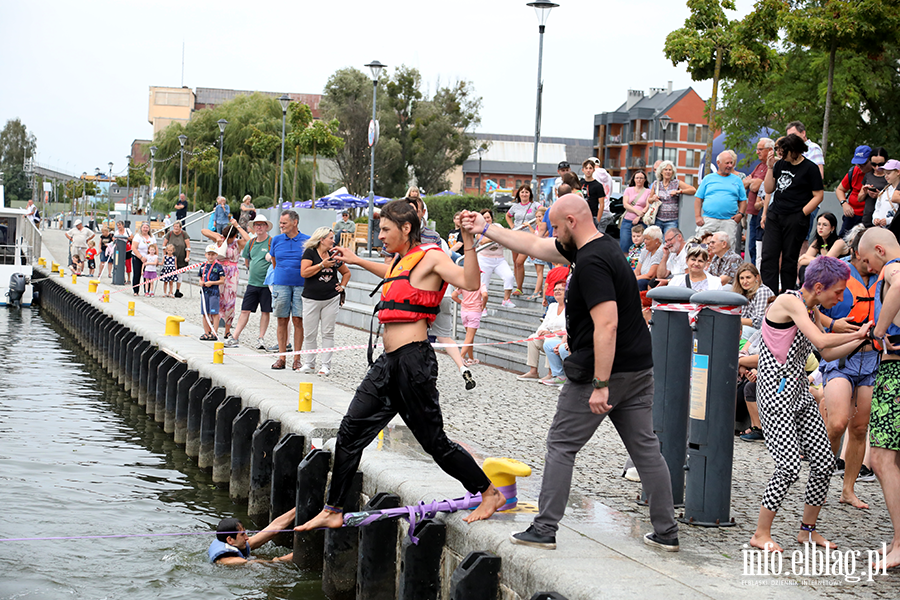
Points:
(442, 208)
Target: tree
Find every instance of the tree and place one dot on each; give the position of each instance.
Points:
(16, 144)
(861, 26)
(716, 48)
(320, 138)
(299, 116)
(139, 174)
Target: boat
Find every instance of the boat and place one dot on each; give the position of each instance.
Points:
(20, 248)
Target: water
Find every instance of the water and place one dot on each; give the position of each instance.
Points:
(79, 457)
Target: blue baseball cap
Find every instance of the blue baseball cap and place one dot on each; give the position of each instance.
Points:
(861, 155)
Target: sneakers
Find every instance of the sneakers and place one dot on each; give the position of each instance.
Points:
(306, 369)
(865, 474)
(631, 474)
(231, 342)
(651, 539)
(325, 371)
(755, 435)
(840, 466)
(530, 537)
(467, 377)
(507, 304)
(554, 381)
(260, 344)
(178, 294)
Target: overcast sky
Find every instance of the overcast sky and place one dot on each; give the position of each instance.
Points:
(78, 73)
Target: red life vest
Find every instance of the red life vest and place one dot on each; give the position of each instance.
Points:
(400, 301)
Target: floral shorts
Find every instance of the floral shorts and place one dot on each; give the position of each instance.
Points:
(884, 419)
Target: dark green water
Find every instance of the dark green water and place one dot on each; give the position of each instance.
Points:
(79, 457)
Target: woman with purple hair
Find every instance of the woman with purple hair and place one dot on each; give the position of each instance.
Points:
(788, 413)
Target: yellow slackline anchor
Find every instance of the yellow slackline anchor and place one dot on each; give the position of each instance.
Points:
(305, 403)
(92, 286)
(503, 472)
(173, 325)
(218, 352)
(42, 261)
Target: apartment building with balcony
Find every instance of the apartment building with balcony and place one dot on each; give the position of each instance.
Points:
(630, 138)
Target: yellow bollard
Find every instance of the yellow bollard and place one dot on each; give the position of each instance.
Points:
(131, 309)
(105, 296)
(54, 267)
(305, 404)
(173, 325)
(74, 278)
(503, 472)
(92, 285)
(218, 353)
(42, 261)
(62, 272)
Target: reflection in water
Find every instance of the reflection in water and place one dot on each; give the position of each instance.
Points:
(78, 457)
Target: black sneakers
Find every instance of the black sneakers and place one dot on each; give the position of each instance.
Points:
(651, 539)
(530, 537)
(178, 294)
(467, 377)
(866, 474)
(839, 466)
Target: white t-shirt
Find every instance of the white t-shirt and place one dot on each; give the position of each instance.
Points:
(80, 237)
(711, 283)
(677, 263)
(648, 261)
(884, 207)
(552, 321)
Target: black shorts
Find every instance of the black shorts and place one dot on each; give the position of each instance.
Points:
(257, 296)
(91, 264)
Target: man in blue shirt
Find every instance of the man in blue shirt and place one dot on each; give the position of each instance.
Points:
(721, 202)
(285, 254)
(221, 214)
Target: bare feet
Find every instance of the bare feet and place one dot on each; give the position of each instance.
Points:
(325, 519)
(892, 559)
(491, 501)
(765, 542)
(852, 500)
(806, 536)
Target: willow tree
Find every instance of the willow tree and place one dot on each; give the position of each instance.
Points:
(716, 47)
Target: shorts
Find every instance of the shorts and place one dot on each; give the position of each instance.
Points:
(884, 419)
(443, 324)
(149, 275)
(287, 301)
(104, 257)
(859, 369)
(210, 304)
(78, 252)
(257, 296)
(91, 264)
(471, 320)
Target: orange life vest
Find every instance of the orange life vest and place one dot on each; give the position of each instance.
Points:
(863, 299)
(400, 301)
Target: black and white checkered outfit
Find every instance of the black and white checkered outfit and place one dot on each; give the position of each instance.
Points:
(791, 421)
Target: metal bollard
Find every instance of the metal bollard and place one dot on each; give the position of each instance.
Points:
(711, 446)
(305, 402)
(119, 262)
(312, 475)
(180, 416)
(265, 438)
(671, 335)
(162, 383)
(376, 573)
(241, 442)
(218, 353)
(342, 552)
(476, 578)
(172, 378)
(225, 415)
(196, 395)
(420, 566)
(286, 456)
(207, 446)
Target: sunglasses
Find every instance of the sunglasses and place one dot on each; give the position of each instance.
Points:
(878, 165)
(701, 246)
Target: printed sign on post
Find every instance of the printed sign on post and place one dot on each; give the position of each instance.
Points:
(699, 377)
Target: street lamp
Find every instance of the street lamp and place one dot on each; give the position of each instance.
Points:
(481, 151)
(153, 150)
(222, 123)
(664, 123)
(375, 67)
(284, 101)
(127, 186)
(542, 10)
(181, 140)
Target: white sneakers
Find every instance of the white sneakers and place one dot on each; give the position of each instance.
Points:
(507, 304)
(306, 369)
(325, 370)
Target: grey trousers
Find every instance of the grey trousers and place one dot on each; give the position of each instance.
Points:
(631, 397)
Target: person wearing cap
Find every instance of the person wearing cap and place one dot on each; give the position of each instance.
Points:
(257, 293)
(179, 238)
(79, 236)
(873, 183)
(848, 191)
(888, 199)
(345, 225)
(212, 278)
(562, 167)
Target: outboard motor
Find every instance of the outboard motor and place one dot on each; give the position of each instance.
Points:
(16, 289)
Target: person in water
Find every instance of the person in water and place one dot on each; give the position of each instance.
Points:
(232, 545)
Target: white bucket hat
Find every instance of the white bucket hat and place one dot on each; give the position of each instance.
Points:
(262, 219)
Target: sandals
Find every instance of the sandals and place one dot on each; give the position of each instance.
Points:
(517, 292)
(298, 362)
(279, 364)
(469, 362)
(208, 337)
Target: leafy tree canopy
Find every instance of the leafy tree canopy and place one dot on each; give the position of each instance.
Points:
(15, 145)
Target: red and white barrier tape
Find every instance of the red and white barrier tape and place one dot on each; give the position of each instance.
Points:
(694, 309)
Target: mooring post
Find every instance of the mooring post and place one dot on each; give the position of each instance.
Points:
(174, 374)
(265, 438)
(210, 405)
(152, 371)
(312, 476)
(376, 573)
(476, 578)
(241, 439)
(196, 395)
(225, 416)
(342, 552)
(420, 565)
(162, 382)
(182, 392)
(140, 369)
(286, 456)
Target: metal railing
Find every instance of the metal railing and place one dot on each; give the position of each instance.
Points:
(31, 240)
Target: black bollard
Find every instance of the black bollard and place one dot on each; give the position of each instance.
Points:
(139, 368)
(312, 476)
(714, 369)
(420, 565)
(196, 395)
(112, 334)
(182, 394)
(112, 366)
(342, 552)
(207, 446)
(671, 335)
(376, 573)
(174, 375)
(286, 456)
(152, 371)
(265, 438)
(241, 443)
(129, 361)
(476, 578)
(162, 381)
(548, 596)
(225, 415)
(123, 355)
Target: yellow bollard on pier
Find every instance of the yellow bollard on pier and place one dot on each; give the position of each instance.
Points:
(42, 261)
(173, 325)
(92, 285)
(105, 297)
(131, 309)
(74, 278)
(54, 267)
(62, 272)
(218, 353)
(503, 472)
(305, 404)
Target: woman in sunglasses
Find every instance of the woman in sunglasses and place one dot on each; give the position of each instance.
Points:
(873, 183)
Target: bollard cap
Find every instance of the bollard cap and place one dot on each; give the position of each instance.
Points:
(668, 293)
(719, 298)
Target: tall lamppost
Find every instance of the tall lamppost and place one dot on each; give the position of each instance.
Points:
(153, 150)
(181, 140)
(664, 123)
(285, 100)
(481, 151)
(127, 185)
(222, 123)
(542, 10)
(375, 67)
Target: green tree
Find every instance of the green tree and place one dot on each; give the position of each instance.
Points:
(858, 26)
(16, 144)
(715, 47)
(299, 116)
(320, 138)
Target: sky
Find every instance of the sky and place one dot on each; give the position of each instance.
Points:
(78, 73)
